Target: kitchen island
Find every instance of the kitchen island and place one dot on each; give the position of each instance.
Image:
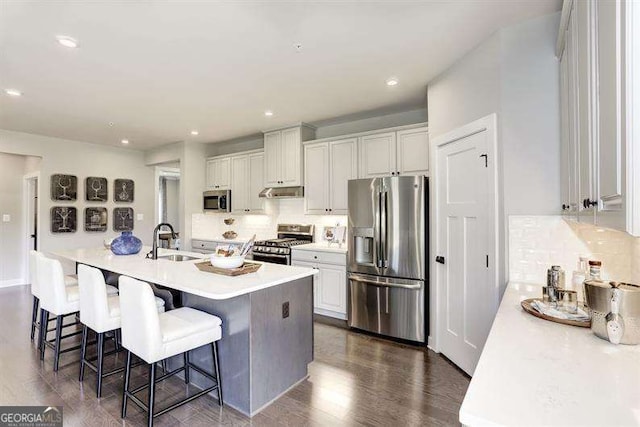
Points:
(267, 319)
(533, 372)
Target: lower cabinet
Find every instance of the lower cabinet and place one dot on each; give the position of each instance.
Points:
(330, 284)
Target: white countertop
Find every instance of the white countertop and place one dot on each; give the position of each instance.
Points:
(185, 276)
(322, 247)
(536, 372)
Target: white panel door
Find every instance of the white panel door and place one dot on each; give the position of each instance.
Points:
(609, 106)
(272, 158)
(291, 155)
(377, 155)
(466, 283)
(332, 288)
(239, 184)
(210, 172)
(222, 173)
(316, 178)
(586, 137)
(256, 182)
(343, 166)
(413, 152)
(572, 115)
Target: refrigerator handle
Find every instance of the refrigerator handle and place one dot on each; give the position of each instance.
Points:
(383, 229)
(377, 230)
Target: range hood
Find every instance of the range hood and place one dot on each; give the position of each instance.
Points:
(282, 192)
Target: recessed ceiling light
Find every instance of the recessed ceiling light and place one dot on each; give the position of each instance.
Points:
(125, 141)
(13, 92)
(392, 81)
(268, 113)
(194, 132)
(67, 41)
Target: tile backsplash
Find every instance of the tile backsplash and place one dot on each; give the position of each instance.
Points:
(537, 242)
(283, 211)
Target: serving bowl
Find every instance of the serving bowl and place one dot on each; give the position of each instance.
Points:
(227, 261)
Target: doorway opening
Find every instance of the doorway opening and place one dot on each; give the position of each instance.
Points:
(168, 202)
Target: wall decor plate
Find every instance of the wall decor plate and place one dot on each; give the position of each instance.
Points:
(64, 187)
(122, 219)
(123, 190)
(95, 219)
(64, 219)
(95, 189)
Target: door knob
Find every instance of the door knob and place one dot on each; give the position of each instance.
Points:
(440, 259)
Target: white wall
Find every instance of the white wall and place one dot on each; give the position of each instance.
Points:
(83, 159)
(515, 74)
(325, 129)
(12, 241)
(173, 201)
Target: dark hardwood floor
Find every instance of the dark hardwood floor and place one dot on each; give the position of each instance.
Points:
(354, 380)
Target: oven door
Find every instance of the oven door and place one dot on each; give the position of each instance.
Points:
(272, 258)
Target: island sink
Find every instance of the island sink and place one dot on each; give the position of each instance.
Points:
(176, 257)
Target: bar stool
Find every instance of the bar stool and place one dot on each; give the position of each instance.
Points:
(69, 280)
(56, 299)
(99, 312)
(154, 337)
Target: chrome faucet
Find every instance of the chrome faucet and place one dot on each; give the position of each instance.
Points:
(154, 250)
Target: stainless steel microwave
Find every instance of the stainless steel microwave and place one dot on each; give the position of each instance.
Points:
(216, 201)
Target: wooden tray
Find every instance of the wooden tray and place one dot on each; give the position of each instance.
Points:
(247, 267)
(526, 305)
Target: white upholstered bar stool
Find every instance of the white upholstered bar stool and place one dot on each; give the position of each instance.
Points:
(99, 312)
(55, 299)
(154, 337)
(69, 280)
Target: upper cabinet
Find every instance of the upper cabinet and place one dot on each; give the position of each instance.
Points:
(247, 181)
(405, 152)
(283, 165)
(328, 168)
(597, 57)
(218, 172)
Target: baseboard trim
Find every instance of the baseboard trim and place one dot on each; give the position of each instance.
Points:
(12, 282)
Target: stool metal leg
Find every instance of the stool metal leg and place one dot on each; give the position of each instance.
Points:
(100, 362)
(186, 367)
(152, 392)
(83, 351)
(56, 360)
(127, 376)
(34, 316)
(214, 349)
(44, 321)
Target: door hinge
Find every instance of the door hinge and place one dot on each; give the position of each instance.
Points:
(486, 160)
(487, 257)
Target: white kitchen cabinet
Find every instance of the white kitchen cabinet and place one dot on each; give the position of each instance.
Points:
(316, 178)
(405, 152)
(599, 168)
(256, 182)
(247, 182)
(330, 284)
(218, 173)
(412, 151)
(328, 168)
(283, 156)
(377, 155)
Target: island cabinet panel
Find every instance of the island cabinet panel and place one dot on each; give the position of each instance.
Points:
(265, 349)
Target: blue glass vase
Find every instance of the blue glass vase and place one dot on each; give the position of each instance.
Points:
(126, 244)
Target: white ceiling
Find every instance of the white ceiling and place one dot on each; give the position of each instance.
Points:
(158, 69)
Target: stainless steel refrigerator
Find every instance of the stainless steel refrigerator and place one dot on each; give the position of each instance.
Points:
(388, 274)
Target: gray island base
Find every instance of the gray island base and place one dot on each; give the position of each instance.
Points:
(262, 353)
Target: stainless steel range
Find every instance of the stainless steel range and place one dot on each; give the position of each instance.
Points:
(278, 251)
